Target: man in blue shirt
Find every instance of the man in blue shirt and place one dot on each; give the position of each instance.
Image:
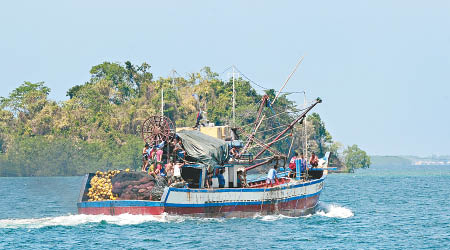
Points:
(221, 178)
(303, 163)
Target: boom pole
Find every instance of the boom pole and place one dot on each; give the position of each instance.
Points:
(258, 122)
(302, 116)
(264, 100)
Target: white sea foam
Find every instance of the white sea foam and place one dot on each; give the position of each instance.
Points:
(271, 217)
(327, 210)
(323, 209)
(333, 211)
(78, 219)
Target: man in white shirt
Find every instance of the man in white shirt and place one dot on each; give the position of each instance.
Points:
(177, 171)
(272, 175)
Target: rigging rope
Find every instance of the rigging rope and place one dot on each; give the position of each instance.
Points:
(282, 126)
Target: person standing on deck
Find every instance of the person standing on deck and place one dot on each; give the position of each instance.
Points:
(159, 154)
(177, 172)
(272, 175)
(145, 157)
(292, 165)
(198, 119)
(242, 177)
(178, 150)
(169, 172)
(221, 178)
(153, 170)
(314, 160)
(303, 163)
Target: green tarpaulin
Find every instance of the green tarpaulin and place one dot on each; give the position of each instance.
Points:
(204, 148)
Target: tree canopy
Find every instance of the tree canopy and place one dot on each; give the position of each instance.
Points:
(356, 158)
(97, 127)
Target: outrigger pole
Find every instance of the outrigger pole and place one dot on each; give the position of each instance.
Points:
(287, 80)
(290, 126)
(264, 102)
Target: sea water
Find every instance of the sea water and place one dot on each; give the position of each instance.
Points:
(378, 208)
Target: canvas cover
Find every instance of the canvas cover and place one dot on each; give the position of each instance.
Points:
(203, 148)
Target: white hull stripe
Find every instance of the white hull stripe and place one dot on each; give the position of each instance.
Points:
(244, 190)
(245, 203)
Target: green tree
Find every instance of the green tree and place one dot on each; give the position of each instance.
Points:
(355, 158)
(320, 135)
(72, 92)
(125, 80)
(29, 98)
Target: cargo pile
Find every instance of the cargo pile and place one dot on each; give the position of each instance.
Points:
(101, 187)
(138, 186)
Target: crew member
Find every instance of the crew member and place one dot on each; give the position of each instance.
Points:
(199, 118)
(145, 157)
(169, 172)
(272, 175)
(159, 154)
(303, 163)
(314, 160)
(177, 172)
(208, 180)
(242, 179)
(178, 149)
(292, 165)
(234, 152)
(221, 178)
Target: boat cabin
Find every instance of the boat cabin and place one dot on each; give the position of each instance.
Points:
(196, 174)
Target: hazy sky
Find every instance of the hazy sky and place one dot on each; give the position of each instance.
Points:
(382, 68)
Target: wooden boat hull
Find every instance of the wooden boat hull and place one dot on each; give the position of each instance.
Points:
(291, 199)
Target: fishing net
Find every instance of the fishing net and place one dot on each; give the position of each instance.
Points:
(138, 186)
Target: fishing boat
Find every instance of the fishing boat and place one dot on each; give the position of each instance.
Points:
(201, 195)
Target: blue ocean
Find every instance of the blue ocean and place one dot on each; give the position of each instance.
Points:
(384, 207)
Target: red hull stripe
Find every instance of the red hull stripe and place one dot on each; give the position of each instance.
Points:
(120, 203)
(121, 210)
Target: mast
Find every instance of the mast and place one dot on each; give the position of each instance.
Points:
(173, 77)
(162, 102)
(304, 125)
(234, 102)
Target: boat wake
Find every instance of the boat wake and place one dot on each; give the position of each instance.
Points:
(324, 209)
(333, 211)
(79, 219)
